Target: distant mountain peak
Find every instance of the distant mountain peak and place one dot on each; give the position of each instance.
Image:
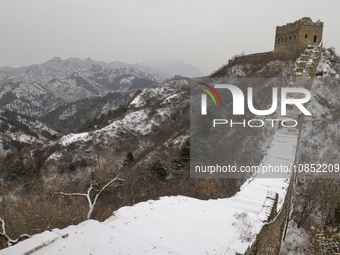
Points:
(55, 59)
(174, 67)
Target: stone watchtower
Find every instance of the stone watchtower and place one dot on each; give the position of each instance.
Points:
(292, 38)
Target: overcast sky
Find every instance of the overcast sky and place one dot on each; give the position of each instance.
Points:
(200, 32)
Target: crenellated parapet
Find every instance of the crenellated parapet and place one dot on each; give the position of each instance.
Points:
(291, 39)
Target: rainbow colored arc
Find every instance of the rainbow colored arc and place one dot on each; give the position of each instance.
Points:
(208, 92)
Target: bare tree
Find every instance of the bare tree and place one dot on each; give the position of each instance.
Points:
(314, 198)
(91, 202)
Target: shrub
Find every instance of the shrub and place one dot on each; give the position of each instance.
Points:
(71, 168)
(16, 170)
(325, 241)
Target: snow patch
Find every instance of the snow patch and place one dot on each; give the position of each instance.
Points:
(72, 138)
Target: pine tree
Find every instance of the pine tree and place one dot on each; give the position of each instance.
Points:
(158, 169)
(183, 156)
(129, 158)
(184, 153)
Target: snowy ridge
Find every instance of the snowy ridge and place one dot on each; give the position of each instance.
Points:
(137, 122)
(16, 129)
(152, 94)
(171, 102)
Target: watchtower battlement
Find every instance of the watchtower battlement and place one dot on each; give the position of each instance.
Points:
(291, 39)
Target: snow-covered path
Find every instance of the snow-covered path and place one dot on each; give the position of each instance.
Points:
(177, 225)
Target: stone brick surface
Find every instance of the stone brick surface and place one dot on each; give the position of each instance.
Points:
(292, 38)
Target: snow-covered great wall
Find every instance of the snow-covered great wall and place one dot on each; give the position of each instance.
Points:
(178, 225)
(251, 222)
(268, 241)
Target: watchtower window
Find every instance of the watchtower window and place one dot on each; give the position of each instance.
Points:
(306, 35)
(315, 38)
(278, 40)
(286, 38)
(294, 37)
(290, 38)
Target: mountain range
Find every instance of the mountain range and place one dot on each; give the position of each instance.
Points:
(60, 68)
(38, 89)
(44, 88)
(64, 94)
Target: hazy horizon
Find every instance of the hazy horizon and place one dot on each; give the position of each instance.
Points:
(202, 34)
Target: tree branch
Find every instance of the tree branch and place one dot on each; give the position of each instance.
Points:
(87, 195)
(71, 194)
(10, 241)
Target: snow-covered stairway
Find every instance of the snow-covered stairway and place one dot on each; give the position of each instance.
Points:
(269, 238)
